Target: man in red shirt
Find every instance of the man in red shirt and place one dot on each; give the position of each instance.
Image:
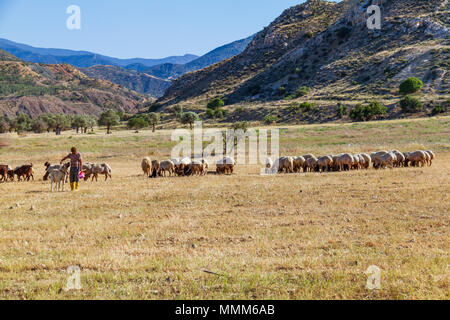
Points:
(76, 163)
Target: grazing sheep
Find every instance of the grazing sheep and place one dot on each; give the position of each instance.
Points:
(366, 160)
(311, 164)
(299, 164)
(325, 163)
(226, 165)
(286, 164)
(375, 158)
(356, 162)
(344, 162)
(146, 166)
(399, 162)
(432, 156)
(155, 169)
(386, 160)
(58, 177)
(416, 158)
(166, 166)
(334, 167)
(93, 169)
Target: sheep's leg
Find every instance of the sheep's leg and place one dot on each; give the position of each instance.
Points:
(51, 186)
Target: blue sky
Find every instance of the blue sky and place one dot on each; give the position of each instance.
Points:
(138, 28)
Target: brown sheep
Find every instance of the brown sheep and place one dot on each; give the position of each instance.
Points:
(344, 162)
(146, 166)
(311, 164)
(325, 163)
(286, 164)
(166, 166)
(417, 158)
(432, 156)
(226, 166)
(299, 164)
(366, 160)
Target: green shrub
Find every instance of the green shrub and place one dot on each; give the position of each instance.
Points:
(302, 91)
(437, 110)
(270, 119)
(367, 112)
(341, 110)
(307, 106)
(410, 104)
(216, 104)
(137, 122)
(410, 85)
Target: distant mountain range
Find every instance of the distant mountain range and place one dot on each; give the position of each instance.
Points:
(81, 59)
(173, 70)
(146, 76)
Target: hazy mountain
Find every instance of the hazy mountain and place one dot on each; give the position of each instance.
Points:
(328, 47)
(81, 59)
(173, 71)
(58, 88)
(139, 82)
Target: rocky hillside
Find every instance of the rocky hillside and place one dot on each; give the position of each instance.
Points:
(60, 88)
(327, 46)
(137, 81)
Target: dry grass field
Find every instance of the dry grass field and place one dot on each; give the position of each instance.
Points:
(298, 236)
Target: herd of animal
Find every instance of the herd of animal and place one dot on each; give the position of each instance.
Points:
(185, 167)
(346, 161)
(58, 174)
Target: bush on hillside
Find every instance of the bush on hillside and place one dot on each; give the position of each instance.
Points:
(410, 85)
(410, 104)
(367, 112)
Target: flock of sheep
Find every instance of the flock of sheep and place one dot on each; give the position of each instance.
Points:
(184, 167)
(347, 161)
(306, 163)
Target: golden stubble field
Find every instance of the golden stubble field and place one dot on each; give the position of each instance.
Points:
(299, 236)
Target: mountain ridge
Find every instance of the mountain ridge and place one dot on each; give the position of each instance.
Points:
(327, 46)
(80, 59)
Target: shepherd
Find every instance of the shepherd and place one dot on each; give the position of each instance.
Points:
(76, 163)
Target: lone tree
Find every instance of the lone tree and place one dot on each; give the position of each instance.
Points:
(154, 119)
(189, 117)
(411, 85)
(109, 118)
